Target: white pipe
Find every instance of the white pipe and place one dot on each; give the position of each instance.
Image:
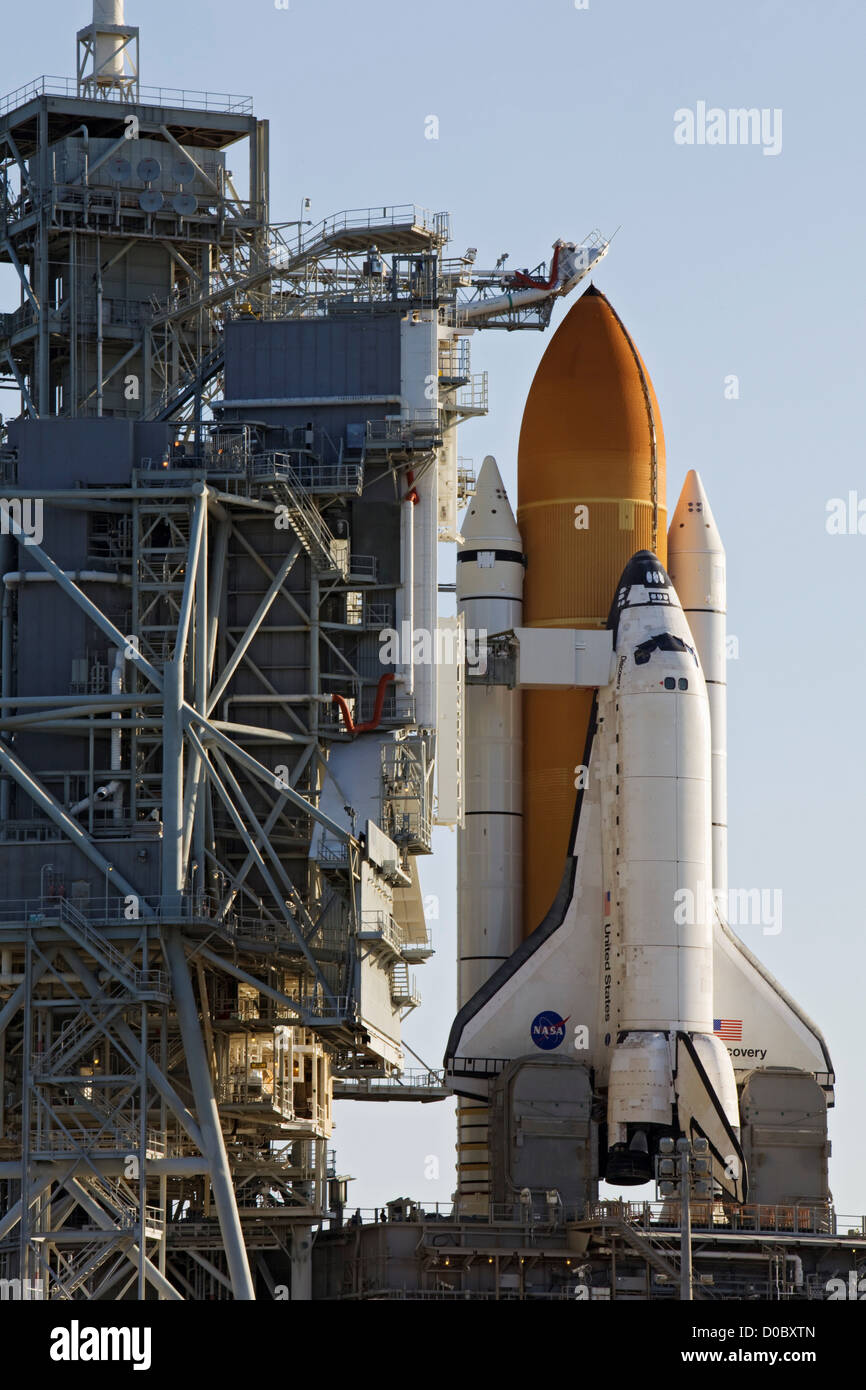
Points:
(273, 402)
(13, 577)
(573, 270)
(108, 48)
(100, 385)
(108, 789)
(116, 734)
(425, 522)
(108, 12)
(419, 389)
(406, 598)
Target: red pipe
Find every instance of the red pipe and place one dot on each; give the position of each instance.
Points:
(412, 494)
(351, 727)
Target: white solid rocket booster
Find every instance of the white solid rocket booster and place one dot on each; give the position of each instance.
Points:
(696, 560)
(490, 851)
(490, 846)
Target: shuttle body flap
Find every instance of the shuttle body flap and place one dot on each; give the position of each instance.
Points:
(700, 1115)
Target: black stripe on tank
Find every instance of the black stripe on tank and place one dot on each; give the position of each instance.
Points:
(515, 557)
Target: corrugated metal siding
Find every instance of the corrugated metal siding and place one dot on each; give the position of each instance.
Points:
(312, 357)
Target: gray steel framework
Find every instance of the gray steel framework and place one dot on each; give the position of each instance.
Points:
(110, 1148)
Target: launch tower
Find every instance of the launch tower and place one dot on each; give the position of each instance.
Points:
(222, 495)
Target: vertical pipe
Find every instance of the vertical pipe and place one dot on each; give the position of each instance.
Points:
(99, 365)
(405, 608)
(315, 676)
(142, 1160)
(425, 519)
(43, 368)
(163, 1127)
(172, 787)
(117, 684)
(7, 549)
(686, 1291)
(215, 591)
(420, 403)
(201, 688)
(73, 325)
(26, 1086)
(147, 394)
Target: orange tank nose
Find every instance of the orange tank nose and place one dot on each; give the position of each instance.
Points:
(591, 491)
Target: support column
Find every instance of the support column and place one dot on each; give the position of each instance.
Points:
(172, 788)
(302, 1265)
(208, 1117)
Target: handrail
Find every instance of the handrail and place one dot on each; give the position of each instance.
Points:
(361, 219)
(104, 911)
(415, 1079)
(157, 96)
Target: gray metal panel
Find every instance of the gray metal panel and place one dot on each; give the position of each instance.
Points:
(312, 357)
(55, 453)
(542, 1135)
(784, 1128)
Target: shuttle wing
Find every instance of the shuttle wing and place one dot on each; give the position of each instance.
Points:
(759, 1022)
(553, 983)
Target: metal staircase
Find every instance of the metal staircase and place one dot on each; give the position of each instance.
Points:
(404, 992)
(274, 477)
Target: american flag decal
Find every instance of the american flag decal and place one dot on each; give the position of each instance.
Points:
(607, 904)
(728, 1029)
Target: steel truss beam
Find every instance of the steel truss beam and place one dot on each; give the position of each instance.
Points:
(158, 1075)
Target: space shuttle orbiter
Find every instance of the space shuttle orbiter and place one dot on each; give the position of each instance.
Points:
(596, 786)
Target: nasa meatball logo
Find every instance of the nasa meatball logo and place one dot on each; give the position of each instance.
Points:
(548, 1030)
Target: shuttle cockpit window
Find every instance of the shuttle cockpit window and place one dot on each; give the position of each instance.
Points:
(664, 642)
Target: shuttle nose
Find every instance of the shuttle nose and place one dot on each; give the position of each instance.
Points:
(639, 568)
(643, 576)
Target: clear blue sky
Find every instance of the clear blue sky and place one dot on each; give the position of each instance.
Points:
(552, 121)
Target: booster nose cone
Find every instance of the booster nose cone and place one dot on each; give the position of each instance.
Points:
(490, 561)
(489, 521)
(693, 527)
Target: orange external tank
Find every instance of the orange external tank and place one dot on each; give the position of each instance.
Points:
(591, 492)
